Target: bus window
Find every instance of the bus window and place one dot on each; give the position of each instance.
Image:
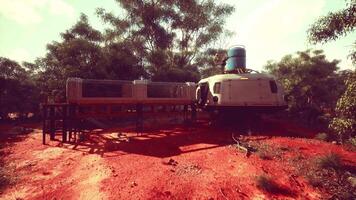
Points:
(273, 86)
(217, 86)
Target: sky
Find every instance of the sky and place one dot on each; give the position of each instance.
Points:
(269, 29)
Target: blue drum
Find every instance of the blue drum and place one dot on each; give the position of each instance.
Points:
(236, 59)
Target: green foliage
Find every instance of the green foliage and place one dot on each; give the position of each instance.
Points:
(18, 93)
(334, 25)
(344, 123)
(78, 55)
(210, 62)
(311, 84)
(167, 35)
(331, 27)
(177, 75)
(83, 54)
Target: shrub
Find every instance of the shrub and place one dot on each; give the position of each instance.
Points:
(351, 144)
(344, 124)
(331, 160)
(267, 152)
(314, 179)
(352, 141)
(322, 136)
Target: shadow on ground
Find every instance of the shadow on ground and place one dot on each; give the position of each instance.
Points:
(172, 140)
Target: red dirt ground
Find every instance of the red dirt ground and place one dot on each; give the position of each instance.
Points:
(175, 162)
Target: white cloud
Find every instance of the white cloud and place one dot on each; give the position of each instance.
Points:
(29, 11)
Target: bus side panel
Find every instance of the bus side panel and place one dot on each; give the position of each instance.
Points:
(240, 92)
(266, 95)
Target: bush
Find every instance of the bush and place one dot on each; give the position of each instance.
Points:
(352, 141)
(312, 84)
(267, 152)
(351, 144)
(329, 174)
(331, 160)
(322, 136)
(344, 124)
(314, 179)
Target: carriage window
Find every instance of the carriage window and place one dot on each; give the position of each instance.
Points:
(273, 86)
(102, 90)
(217, 88)
(108, 89)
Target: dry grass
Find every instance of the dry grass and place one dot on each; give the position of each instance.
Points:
(7, 176)
(322, 136)
(329, 174)
(267, 184)
(268, 152)
(331, 160)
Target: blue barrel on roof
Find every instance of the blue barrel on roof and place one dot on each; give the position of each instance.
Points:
(236, 59)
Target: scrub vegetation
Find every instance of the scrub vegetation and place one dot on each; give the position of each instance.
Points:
(329, 172)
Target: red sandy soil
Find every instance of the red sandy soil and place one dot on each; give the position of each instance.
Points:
(175, 162)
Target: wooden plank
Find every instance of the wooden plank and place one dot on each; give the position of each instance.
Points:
(139, 119)
(52, 127)
(64, 123)
(44, 127)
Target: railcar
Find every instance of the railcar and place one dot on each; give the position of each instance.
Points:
(89, 91)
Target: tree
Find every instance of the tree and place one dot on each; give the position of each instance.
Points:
(210, 63)
(344, 124)
(331, 27)
(18, 93)
(167, 35)
(310, 82)
(78, 55)
(84, 54)
(334, 25)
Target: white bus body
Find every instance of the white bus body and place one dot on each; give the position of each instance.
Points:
(241, 92)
